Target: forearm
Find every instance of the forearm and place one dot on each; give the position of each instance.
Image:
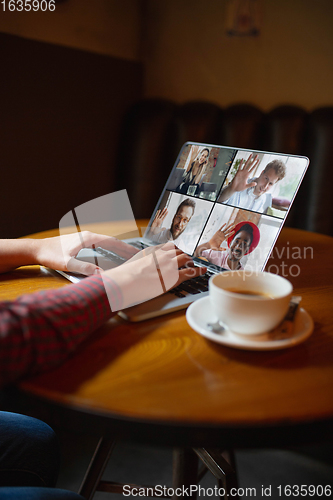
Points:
(198, 178)
(154, 230)
(226, 193)
(201, 248)
(15, 253)
(40, 330)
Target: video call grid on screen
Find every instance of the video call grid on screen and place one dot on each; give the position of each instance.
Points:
(200, 179)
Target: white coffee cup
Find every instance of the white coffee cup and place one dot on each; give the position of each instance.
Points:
(260, 306)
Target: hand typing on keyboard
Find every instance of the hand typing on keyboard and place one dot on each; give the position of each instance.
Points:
(152, 272)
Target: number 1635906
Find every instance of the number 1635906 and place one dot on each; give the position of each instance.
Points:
(28, 5)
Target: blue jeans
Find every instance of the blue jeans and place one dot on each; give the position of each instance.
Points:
(29, 460)
(36, 493)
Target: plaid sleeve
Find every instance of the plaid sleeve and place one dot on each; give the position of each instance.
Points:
(39, 330)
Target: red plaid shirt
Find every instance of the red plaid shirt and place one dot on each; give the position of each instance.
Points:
(38, 331)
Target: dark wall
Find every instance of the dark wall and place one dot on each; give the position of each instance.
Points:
(60, 116)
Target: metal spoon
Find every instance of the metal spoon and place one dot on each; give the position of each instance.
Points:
(216, 327)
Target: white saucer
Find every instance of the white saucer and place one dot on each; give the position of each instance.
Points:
(200, 313)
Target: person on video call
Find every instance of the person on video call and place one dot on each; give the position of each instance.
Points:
(194, 174)
(253, 193)
(242, 239)
(179, 223)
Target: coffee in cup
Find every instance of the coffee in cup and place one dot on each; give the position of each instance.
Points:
(249, 303)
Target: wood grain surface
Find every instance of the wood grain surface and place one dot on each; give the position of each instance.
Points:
(161, 370)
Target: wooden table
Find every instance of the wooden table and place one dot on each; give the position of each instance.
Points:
(162, 376)
(160, 382)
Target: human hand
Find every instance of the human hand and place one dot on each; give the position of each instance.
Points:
(239, 182)
(222, 234)
(152, 272)
(60, 252)
(158, 220)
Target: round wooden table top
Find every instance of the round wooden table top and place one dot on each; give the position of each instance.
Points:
(161, 377)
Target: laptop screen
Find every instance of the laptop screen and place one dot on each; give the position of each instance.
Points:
(226, 206)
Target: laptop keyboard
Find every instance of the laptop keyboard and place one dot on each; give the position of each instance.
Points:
(138, 244)
(114, 257)
(193, 285)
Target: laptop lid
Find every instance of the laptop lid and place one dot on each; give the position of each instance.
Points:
(250, 194)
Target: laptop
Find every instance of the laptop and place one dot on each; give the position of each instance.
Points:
(196, 215)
